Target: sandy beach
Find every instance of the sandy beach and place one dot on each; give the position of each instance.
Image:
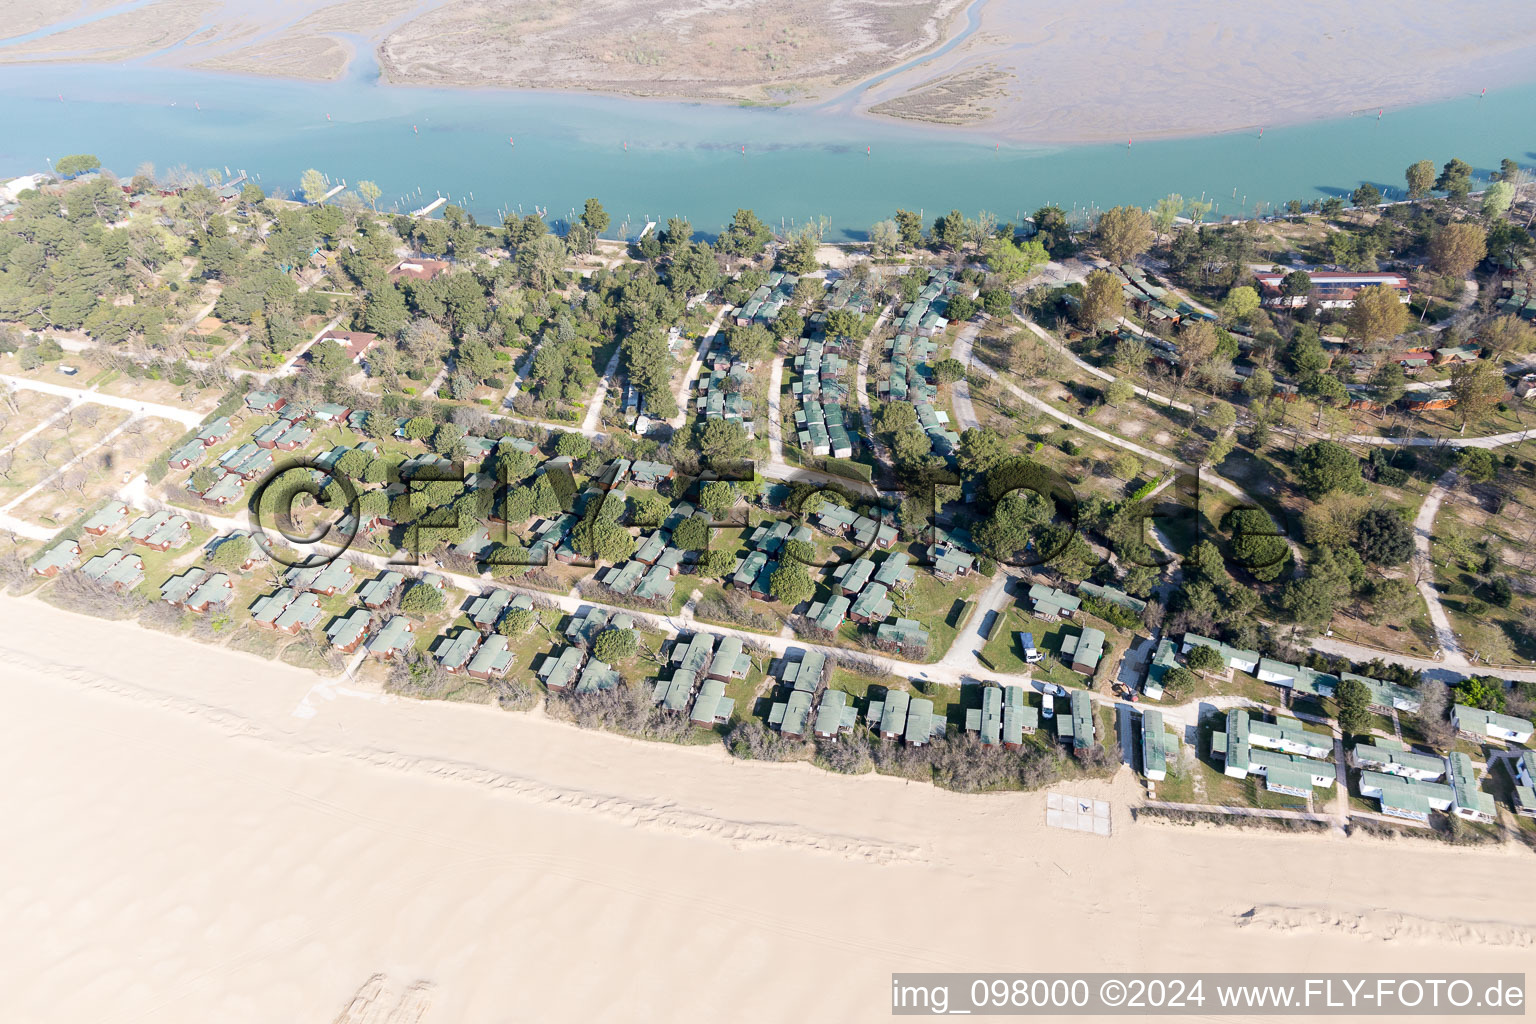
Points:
(194, 834)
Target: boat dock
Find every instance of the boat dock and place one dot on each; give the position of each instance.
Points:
(427, 210)
(333, 191)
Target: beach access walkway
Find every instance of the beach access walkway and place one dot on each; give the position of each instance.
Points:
(1248, 812)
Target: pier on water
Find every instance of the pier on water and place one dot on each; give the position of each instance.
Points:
(427, 210)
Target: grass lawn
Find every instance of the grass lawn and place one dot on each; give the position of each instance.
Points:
(1241, 685)
(751, 695)
(1002, 652)
(1415, 637)
(942, 607)
(1108, 731)
(160, 565)
(856, 684)
(1249, 792)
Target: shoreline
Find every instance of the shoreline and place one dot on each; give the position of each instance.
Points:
(193, 850)
(1016, 138)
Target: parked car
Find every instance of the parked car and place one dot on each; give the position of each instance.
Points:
(1031, 655)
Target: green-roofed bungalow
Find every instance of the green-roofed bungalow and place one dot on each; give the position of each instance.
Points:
(694, 656)
(346, 632)
(674, 694)
(456, 650)
(1111, 595)
(1083, 651)
(711, 707)
(903, 634)
(1051, 604)
(835, 716)
(1470, 801)
(597, 675)
(177, 589)
(1020, 718)
(559, 671)
(922, 723)
(62, 555)
(1155, 745)
(805, 674)
(492, 659)
(829, 615)
(987, 720)
(395, 638)
(888, 717)
(792, 714)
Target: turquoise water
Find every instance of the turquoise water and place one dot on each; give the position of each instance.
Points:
(688, 158)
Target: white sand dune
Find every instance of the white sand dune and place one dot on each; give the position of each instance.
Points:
(180, 847)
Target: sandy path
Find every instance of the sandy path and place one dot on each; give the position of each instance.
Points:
(1424, 568)
(595, 404)
(181, 847)
(186, 417)
(684, 393)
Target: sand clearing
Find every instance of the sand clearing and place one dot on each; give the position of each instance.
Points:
(180, 846)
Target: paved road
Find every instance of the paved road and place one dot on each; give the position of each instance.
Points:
(1489, 441)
